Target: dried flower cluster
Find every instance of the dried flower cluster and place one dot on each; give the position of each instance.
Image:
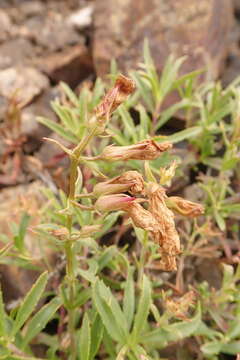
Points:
(158, 218)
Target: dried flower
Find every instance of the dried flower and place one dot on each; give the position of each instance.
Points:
(113, 202)
(142, 218)
(184, 207)
(179, 307)
(144, 150)
(135, 181)
(130, 181)
(115, 97)
(168, 237)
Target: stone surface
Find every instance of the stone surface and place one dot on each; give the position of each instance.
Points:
(71, 65)
(16, 281)
(5, 26)
(198, 29)
(52, 33)
(81, 18)
(26, 81)
(15, 51)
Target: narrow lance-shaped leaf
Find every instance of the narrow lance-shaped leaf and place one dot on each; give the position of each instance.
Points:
(19, 238)
(3, 330)
(108, 317)
(143, 308)
(129, 298)
(96, 336)
(30, 302)
(41, 318)
(85, 339)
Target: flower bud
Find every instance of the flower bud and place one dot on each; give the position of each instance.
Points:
(109, 187)
(114, 97)
(166, 174)
(184, 207)
(113, 202)
(61, 233)
(88, 230)
(144, 150)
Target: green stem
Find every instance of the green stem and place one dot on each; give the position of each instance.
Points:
(72, 295)
(71, 279)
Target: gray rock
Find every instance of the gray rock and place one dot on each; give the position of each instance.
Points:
(198, 29)
(71, 65)
(5, 26)
(15, 51)
(51, 33)
(26, 82)
(81, 18)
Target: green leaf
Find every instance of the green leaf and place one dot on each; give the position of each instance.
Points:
(143, 308)
(30, 301)
(170, 111)
(160, 337)
(129, 298)
(83, 296)
(40, 319)
(3, 328)
(18, 357)
(84, 339)
(185, 134)
(106, 256)
(96, 336)
(145, 122)
(4, 353)
(234, 330)
(211, 348)
(144, 90)
(70, 94)
(228, 273)
(19, 238)
(106, 306)
(128, 122)
(231, 348)
(58, 129)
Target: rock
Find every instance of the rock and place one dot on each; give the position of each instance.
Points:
(5, 26)
(236, 5)
(81, 18)
(27, 82)
(3, 107)
(71, 65)
(29, 124)
(15, 51)
(51, 32)
(31, 8)
(198, 29)
(16, 281)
